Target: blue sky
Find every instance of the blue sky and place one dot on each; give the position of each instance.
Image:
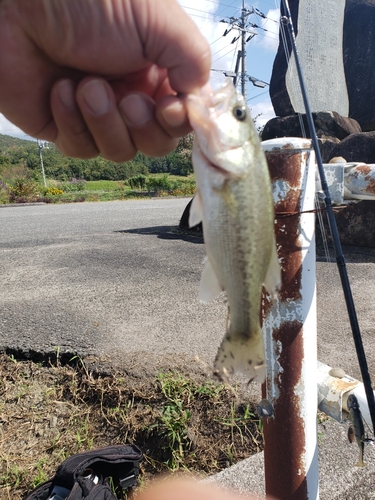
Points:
(261, 49)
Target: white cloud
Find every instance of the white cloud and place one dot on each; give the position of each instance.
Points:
(7, 128)
(203, 14)
(269, 40)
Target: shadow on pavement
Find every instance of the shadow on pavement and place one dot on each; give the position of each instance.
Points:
(168, 233)
(352, 254)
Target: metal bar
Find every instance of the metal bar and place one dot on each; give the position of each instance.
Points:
(239, 55)
(340, 260)
(289, 327)
(334, 388)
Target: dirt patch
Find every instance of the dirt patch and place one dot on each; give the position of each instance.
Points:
(49, 411)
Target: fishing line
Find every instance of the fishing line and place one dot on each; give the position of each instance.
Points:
(293, 77)
(293, 80)
(340, 260)
(336, 314)
(323, 233)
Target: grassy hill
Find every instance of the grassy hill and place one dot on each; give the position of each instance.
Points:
(6, 141)
(22, 153)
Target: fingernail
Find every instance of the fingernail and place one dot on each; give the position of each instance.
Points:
(95, 96)
(136, 111)
(66, 93)
(174, 114)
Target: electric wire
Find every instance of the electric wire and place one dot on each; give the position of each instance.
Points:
(256, 96)
(213, 62)
(222, 48)
(200, 10)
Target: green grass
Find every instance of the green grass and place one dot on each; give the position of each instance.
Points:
(180, 421)
(105, 186)
(172, 177)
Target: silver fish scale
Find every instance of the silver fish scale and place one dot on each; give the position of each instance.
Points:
(238, 243)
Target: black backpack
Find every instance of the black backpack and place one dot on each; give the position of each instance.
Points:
(93, 475)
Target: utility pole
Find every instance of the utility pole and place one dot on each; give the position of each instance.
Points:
(242, 26)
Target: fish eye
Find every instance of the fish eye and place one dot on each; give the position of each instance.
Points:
(239, 112)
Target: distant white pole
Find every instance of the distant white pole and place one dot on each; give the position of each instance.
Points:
(40, 147)
(289, 326)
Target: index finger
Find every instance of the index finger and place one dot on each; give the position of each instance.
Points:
(172, 40)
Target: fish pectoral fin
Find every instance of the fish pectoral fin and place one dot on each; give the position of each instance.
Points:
(273, 277)
(195, 214)
(209, 287)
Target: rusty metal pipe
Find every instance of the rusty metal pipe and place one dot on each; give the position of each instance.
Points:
(289, 327)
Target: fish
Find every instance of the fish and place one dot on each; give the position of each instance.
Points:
(358, 429)
(234, 203)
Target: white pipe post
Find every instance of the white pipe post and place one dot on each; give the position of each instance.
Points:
(40, 147)
(289, 327)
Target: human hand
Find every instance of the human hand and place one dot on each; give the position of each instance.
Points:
(183, 489)
(100, 76)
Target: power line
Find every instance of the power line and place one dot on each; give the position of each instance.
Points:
(199, 10)
(217, 39)
(217, 15)
(218, 59)
(218, 3)
(222, 48)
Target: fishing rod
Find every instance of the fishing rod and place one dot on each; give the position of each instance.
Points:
(340, 260)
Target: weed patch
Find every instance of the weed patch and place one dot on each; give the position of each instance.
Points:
(50, 412)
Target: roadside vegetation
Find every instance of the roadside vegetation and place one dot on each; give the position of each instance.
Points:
(76, 180)
(51, 410)
(25, 190)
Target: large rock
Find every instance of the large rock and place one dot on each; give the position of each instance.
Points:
(278, 92)
(330, 127)
(355, 223)
(359, 51)
(356, 147)
(350, 67)
(327, 124)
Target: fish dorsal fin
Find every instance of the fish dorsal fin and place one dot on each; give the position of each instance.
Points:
(195, 214)
(209, 287)
(273, 277)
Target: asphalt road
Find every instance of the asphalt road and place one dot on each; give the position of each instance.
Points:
(116, 279)
(119, 281)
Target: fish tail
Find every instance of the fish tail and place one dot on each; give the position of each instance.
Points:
(242, 354)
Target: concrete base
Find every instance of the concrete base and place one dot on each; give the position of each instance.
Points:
(339, 479)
